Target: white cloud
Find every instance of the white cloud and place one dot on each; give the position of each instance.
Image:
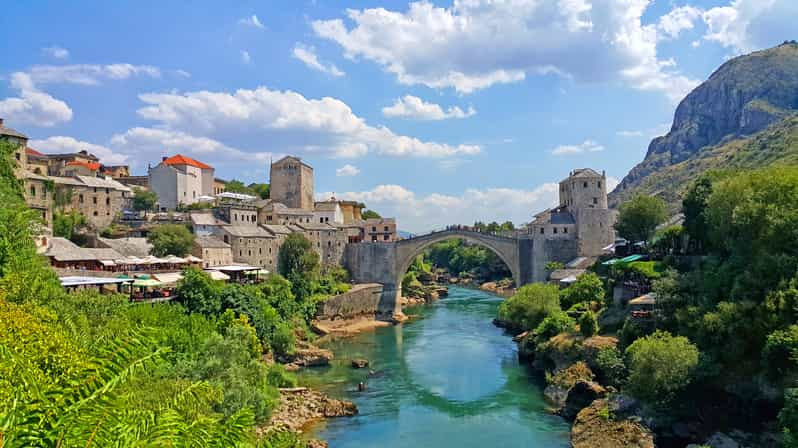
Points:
(308, 56)
(347, 170)
(418, 213)
(630, 134)
(747, 25)
(88, 74)
(251, 21)
(245, 57)
(183, 73)
(33, 106)
(478, 43)
(62, 144)
(679, 19)
(586, 146)
(56, 52)
(288, 121)
(414, 107)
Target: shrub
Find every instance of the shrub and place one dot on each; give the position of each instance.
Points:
(171, 239)
(587, 288)
(610, 366)
(781, 351)
(588, 324)
(554, 324)
(199, 293)
(532, 303)
(659, 366)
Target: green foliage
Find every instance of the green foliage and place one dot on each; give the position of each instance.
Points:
(694, 207)
(236, 186)
(610, 366)
(299, 264)
(780, 355)
(282, 439)
(171, 239)
(660, 365)
(199, 293)
(588, 287)
(639, 217)
(554, 265)
(788, 418)
(456, 256)
(370, 214)
(554, 324)
(531, 303)
(588, 324)
(493, 227)
(261, 190)
(65, 224)
(144, 200)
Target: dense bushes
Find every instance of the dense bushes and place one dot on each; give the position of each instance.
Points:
(659, 366)
(532, 303)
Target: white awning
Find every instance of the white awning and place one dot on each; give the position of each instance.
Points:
(216, 275)
(236, 268)
(569, 279)
(86, 281)
(193, 259)
(107, 262)
(169, 277)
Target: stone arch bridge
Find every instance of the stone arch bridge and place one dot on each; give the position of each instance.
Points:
(386, 263)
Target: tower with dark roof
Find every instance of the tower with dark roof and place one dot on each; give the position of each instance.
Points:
(292, 183)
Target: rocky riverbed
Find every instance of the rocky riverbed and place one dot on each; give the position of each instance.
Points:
(300, 407)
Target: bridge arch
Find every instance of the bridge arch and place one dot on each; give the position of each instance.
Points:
(505, 248)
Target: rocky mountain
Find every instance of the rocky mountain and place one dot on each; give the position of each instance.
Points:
(743, 116)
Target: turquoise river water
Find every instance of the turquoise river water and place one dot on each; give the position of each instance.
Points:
(449, 379)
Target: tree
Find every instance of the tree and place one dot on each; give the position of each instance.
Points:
(236, 186)
(587, 288)
(532, 303)
(588, 324)
(171, 239)
(261, 190)
(659, 366)
(639, 217)
(694, 207)
(555, 323)
(299, 264)
(65, 224)
(199, 293)
(144, 200)
(370, 214)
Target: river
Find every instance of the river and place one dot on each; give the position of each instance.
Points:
(449, 379)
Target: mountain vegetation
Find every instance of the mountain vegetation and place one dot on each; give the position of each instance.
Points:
(742, 117)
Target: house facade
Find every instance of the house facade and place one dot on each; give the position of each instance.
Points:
(180, 180)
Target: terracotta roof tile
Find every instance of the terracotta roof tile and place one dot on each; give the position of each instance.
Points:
(94, 166)
(185, 160)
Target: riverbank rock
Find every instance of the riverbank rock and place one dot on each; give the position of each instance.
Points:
(300, 406)
(597, 426)
(360, 363)
(442, 291)
(489, 286)
(558, 352)
(310, 356)
(561, 383)
(580, 396)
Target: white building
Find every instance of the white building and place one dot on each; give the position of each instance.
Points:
(180, 180)
(328, 212)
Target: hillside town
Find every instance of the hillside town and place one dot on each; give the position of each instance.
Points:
(234, 232)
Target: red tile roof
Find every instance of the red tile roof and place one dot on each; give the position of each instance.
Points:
(93, 166)
(184, 160)
(32, 152)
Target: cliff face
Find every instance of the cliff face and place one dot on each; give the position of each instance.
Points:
(744, 96)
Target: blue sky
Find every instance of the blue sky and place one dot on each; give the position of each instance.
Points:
(432, 112)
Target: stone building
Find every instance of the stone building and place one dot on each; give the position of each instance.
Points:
(37, 162)
(328, 212)
(205, 223)
(582, 217)
(19, 140)
(116, 171)
(251, 244)
(180, 180)
(219, 186)
(379, 230)
(99, 199)
(291, 182)
(328, 241)
(272, 212)
(213, 251)
(351, 211)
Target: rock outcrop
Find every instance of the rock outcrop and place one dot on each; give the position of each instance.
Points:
(602, 425)
(580, 396)
(301, 406)
(744, 96)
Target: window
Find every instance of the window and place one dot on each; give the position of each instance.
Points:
(385, 237)
(240, 252)
(321, 220)
(19, 157)
(555, 230)
(95, 213)
(268, 217)
(33, 191)
(542, 231)
(107, 201)
(374, 239)
(373, 229)
(194, 194)
(584, 184)
(107, 191)
(599, 184)
(94, 200)
(80, 198)
(95, 189)
(565, 230)
(386, 228)
(226, 239)
(595, 200)
(260, 251)
(249, 252)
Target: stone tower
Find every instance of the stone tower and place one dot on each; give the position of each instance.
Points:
(584, 194)
(584, 188)
(292, 183)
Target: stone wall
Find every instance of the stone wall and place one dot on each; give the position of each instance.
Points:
(361, 300)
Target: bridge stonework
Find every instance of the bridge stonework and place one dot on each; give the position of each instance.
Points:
(386, 263)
